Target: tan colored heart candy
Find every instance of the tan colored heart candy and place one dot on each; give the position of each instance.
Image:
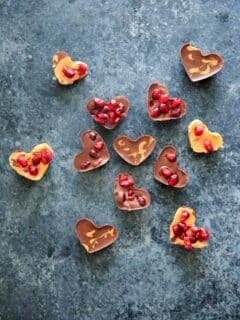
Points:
(95, 152)
(127, 196)
(94, 238)
(167, 171)
(201, 139)
(197, 65)
(67, 71)
(183, 231)
(136, 151)
(34, 164)
(162, 107)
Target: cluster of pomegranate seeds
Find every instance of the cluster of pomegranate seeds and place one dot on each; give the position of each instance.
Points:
(189, 234)
(108, 112)
(71, 72)
(127, 182)
(163, 104)
(170, 175)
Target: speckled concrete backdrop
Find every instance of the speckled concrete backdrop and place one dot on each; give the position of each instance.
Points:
(44, 273)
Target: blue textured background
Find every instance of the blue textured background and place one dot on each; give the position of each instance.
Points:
(44, 273)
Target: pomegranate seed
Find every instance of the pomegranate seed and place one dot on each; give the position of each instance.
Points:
(22, 161)
(141, 201)
(192, 239)
(208, 145)
(68, 72)
(204, 235)
(198, 130)
(164, 98)
(176, 102)
(121, 107)
(187, 243)
(33, 170)
(123, 177)
(171, 157)
(175, 112)
(99, 102)
(117, 120)
(155, 112)
(82, 68)
(156, 94)
(130, 192)
(100, 121)
(105, 109)
(85, 165)
(183, 226)
(173, 180)
(166, 171)
(92, 135)
(118, 112)
(113, 105)
(184, 216)
(46, 156)
(164, 108)
(176, 230)
(93, 154)
(182, 235)
(127, 183)
(112, 115)
(195, 229)
(99, 145)
(36, 159)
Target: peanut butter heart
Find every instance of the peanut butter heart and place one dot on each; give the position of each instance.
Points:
(127, 196)
(67, 71)
(136, 151)
(95, 238)
(34, 164)
(197, 65)
(183, 231)
(95, 152)
(201, 139)
(108, 114)
(166, 169)
(162, 107)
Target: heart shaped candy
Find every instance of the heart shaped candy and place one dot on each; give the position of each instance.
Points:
(136, 151)
(197, 65)
(95, 153)
(67, 71)
(201, 139)
(183, 231)
(166, 169)
(95, 238)
(34, 164)
(127, 196)
(108, 114)
(161, 107)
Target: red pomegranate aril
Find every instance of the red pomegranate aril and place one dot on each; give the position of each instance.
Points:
(93, 154)
(204, 235)
(130, 192)
(33, 170)
(195, 229)
(176, 102)
(192, 239)
(156, 94)
(141, 201)
(187, 243)
(198, 130)
(92, 135)
(22, 161)
(173, 180)
(118, 112)
(105, 109)
(68, 72)
(164, 98)
(46, 156)
(99, 102)
(85, 165)
(99, 120)
(166, 171)
(121, 107)
(117, 120)
(184, 216)
(112, 105)
(171, 157)
(183, 226)
(163, 108)
(82, 68)
(123, 177)
(155, 112)
(126, 183)
(175, 112)
(208, 145)
(176, 230)
(36, 159)
(99, 145)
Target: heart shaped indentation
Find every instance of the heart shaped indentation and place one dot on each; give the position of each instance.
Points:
(162, 107)
(34, 164)
(108, 114)
(127, 196)
(183, 231)
(136, 151)
(201, 139)
(95, 152)
(167, 171)
(94, 238)
(197, 65)
(67, 71)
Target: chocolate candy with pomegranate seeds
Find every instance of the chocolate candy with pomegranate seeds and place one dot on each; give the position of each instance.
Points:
(95, 238)
(127, 196)
(167, 171)
(108, 114)
(136, 151)
(162, 107)
(95, 152)
(197, 65)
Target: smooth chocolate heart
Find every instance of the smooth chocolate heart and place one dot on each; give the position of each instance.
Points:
(161, 107)
(95, 152)
(108, 114)
(94, 238)
(197, 65)
(136, 151)
(127, 196)
(166, 169)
